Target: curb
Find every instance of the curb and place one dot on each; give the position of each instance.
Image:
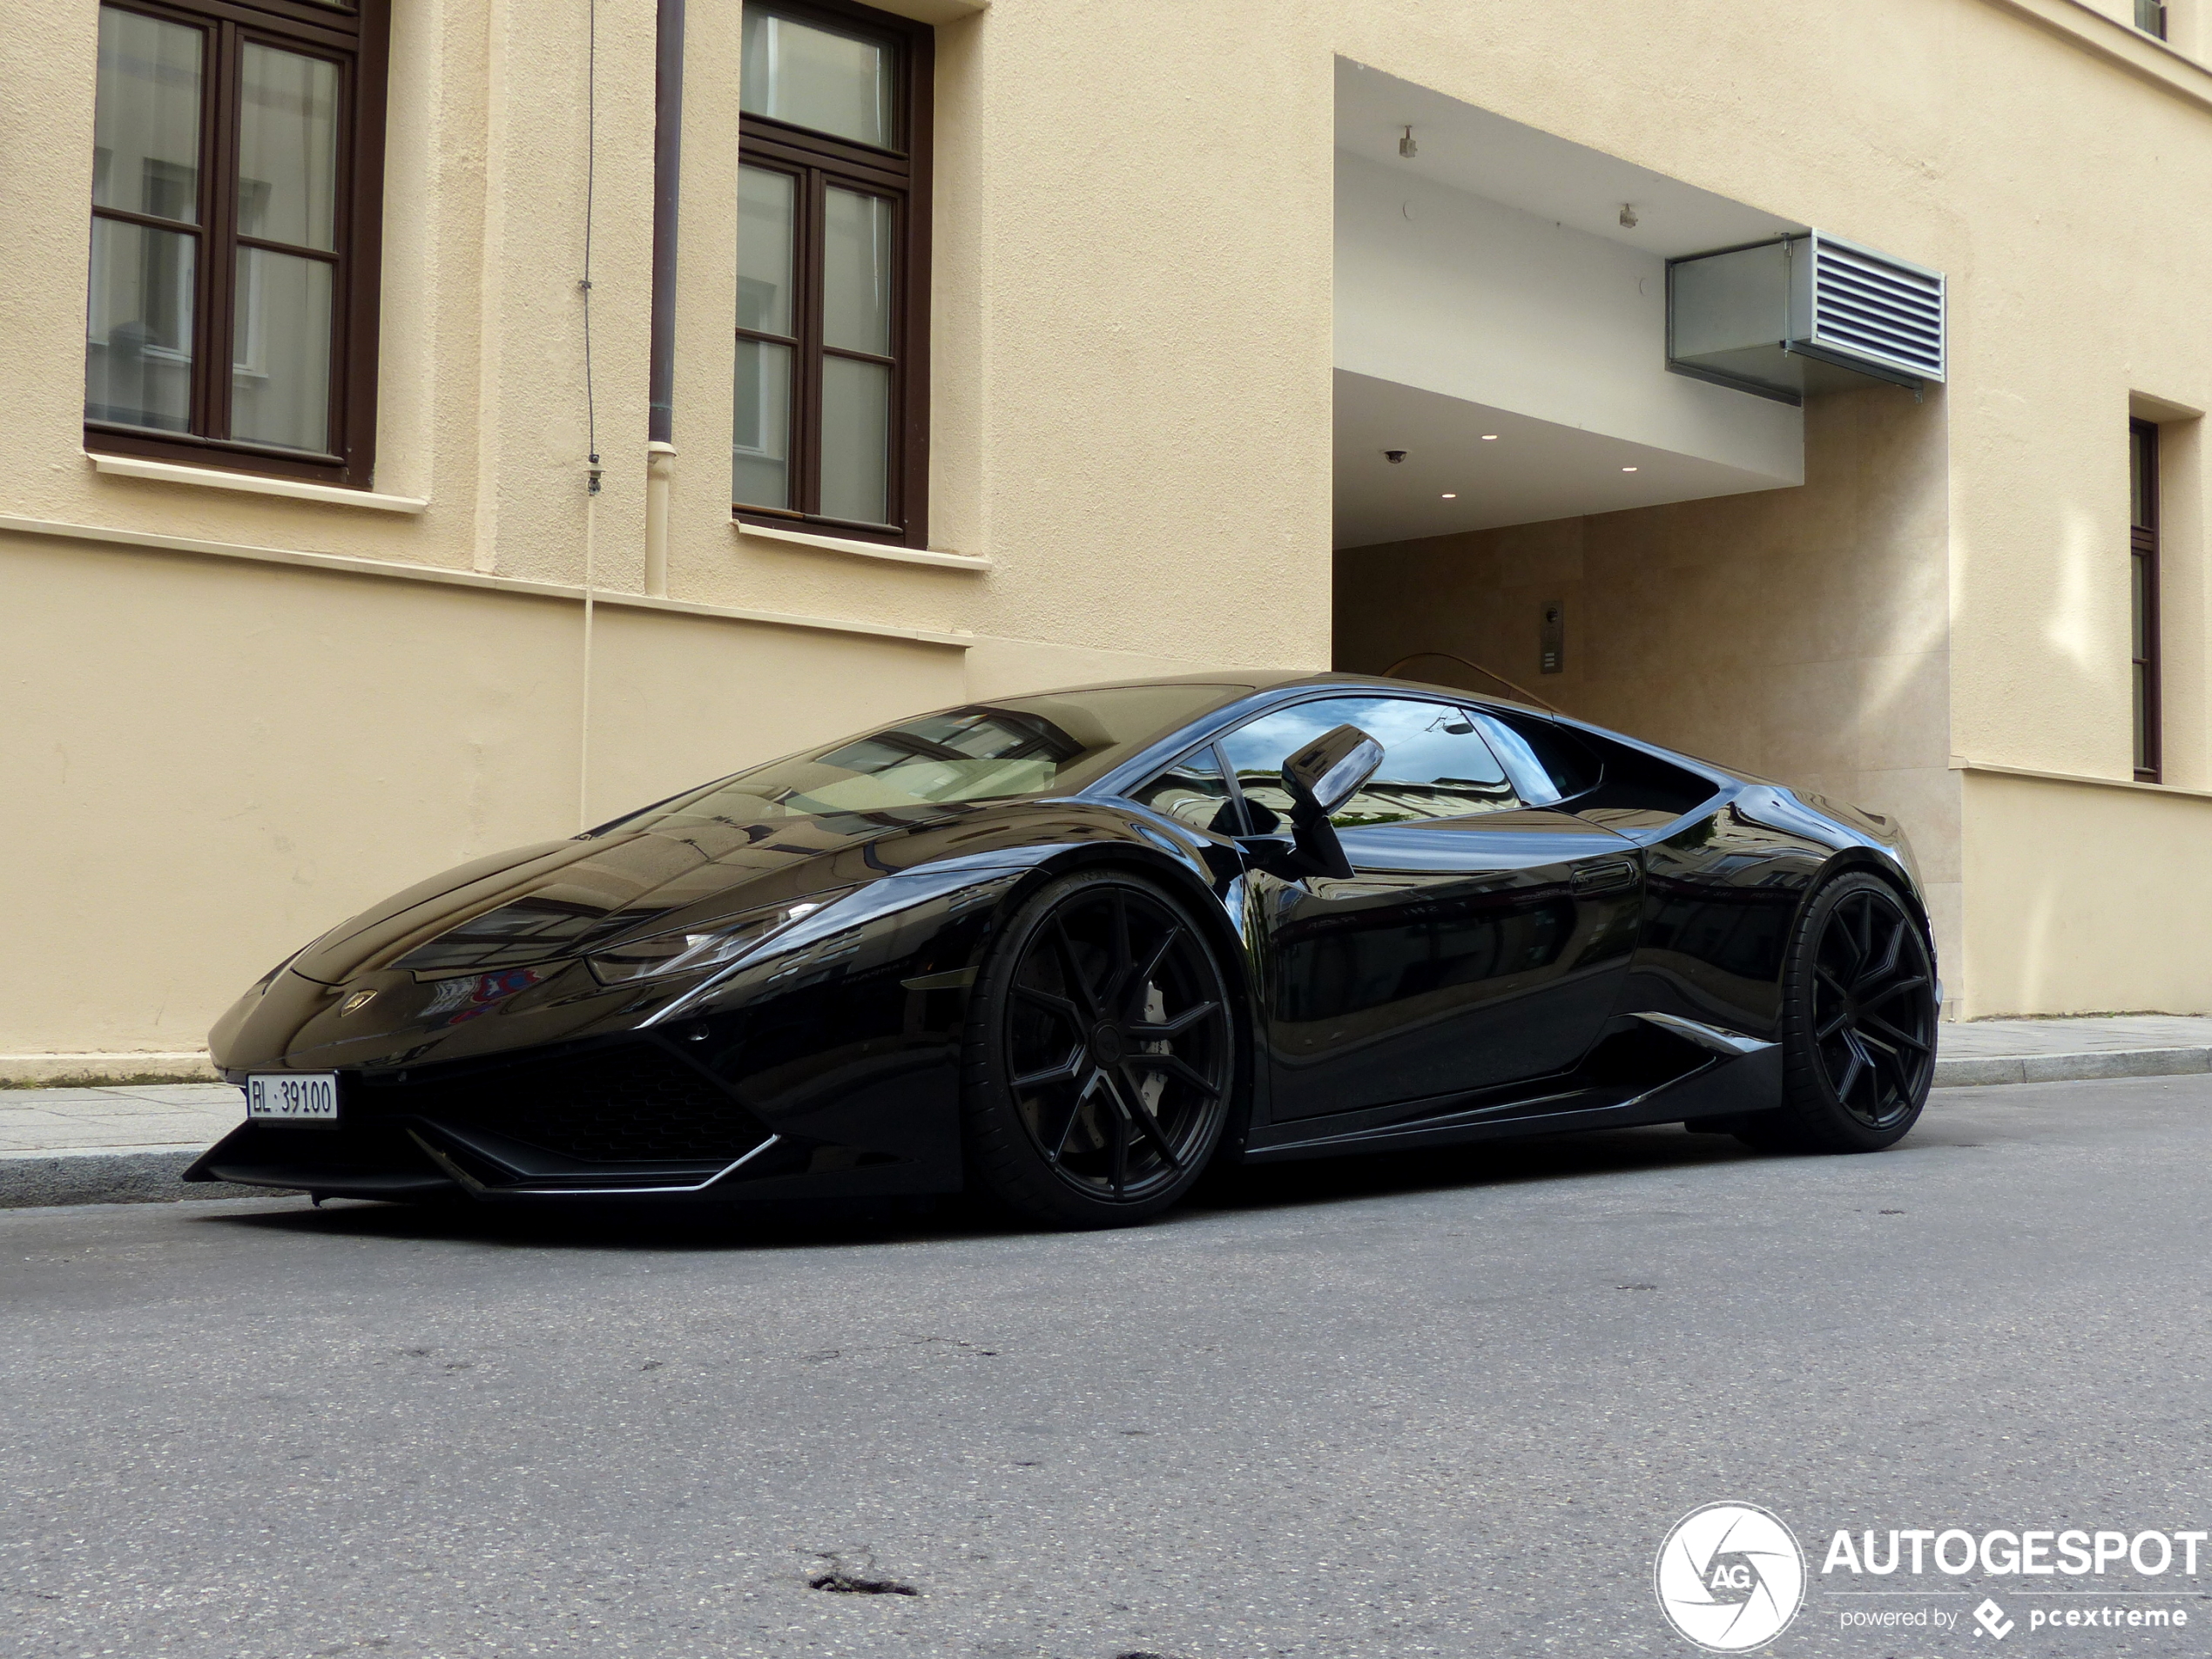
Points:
(104, 1070)
(124, 1175)
(2071, 1068)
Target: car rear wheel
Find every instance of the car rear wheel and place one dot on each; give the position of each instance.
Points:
(1859, 1024)
(1101, 1054)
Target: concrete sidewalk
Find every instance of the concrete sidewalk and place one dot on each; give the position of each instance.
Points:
(128, 1144)
(2048, 1051)
(121, 1145)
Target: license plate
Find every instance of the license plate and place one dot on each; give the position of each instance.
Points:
(293, 1098)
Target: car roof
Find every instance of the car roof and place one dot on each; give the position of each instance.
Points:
(1246, 681)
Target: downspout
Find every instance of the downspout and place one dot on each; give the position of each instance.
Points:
(668, 172)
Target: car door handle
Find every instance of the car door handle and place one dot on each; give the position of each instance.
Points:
(1603, 876)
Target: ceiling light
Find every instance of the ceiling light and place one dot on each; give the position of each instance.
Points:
(1489, 437)
(1451, 495)
(1628, 469)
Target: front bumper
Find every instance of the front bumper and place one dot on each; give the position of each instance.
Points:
(632, 1120)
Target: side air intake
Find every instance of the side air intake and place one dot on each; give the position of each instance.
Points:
(1770, 317)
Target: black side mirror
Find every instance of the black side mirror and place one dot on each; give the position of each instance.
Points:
(1330, 769)
(1321, 778)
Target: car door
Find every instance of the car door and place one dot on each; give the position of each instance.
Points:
(1479, 941)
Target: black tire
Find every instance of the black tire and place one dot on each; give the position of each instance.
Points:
(1859, 1024)
(1101, 1054)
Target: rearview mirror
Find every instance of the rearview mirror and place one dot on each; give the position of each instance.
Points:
(1330, 769)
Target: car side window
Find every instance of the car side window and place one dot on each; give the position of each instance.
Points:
(1545, 763)
(1194, 791)
(1435, 764)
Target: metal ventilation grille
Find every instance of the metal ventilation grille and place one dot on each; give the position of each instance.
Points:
(1869, 305)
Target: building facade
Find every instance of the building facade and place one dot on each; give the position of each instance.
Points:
(488, 417)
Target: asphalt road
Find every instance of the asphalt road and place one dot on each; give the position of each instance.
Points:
(1435, 1405)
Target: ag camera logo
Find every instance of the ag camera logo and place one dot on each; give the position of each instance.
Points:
(1729, 1577)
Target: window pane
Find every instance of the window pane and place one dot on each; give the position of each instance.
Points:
(856, 433)
(2141, 453)
(856, 272)
(2142, 578)
(760, 452)
(766, 210)
(2142, 725)
(145, 127)
(138, 329)
(1544, 763)
(288, 148)
(812, 77)
(1059, 740)
(1191, 791)
(280, 363)
(1435, 765)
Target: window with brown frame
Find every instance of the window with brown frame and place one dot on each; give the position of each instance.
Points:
(237, 174)
(832, 395)
(2143, 445)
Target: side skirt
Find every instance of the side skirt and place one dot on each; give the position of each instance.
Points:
(1713, 1084)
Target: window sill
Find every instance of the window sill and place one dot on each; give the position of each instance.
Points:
(354, 565)
(931, 11)
(1960, 763)
(864, 549)
(251, 483)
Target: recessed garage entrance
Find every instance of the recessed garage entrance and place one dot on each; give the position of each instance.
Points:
(1525, 496)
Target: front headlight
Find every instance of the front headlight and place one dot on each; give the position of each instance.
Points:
(703, 945)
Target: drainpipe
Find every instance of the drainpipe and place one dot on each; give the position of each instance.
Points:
(660, 472)
(668, 171)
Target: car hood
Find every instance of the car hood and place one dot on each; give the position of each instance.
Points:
(506, 934)
(562, 898)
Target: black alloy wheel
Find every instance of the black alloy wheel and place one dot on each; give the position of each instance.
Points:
(1101, 1054)
(1859, 1016)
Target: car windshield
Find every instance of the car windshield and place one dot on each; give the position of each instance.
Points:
(1017, 745)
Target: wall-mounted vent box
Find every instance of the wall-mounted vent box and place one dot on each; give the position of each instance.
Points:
(1781, 317)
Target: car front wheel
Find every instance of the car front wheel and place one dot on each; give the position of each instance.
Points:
(1101, 1054)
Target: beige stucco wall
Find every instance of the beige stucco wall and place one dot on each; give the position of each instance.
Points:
(1131, 338)
(214, 759)
(2079, 890)
(1796, 633)
(209, 763)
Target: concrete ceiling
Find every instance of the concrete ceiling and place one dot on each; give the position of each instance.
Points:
(1470, 149)
(1534, 470)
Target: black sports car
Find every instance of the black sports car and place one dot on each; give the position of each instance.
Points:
(1070, 950)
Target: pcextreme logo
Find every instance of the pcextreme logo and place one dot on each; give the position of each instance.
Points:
(1731, 1577)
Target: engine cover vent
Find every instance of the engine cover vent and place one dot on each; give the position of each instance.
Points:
(1768, 319)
